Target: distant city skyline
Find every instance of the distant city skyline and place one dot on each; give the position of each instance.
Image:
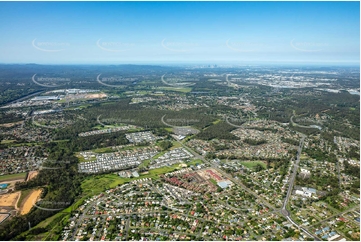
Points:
(180, 32)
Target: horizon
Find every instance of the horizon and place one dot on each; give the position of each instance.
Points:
(211, 65)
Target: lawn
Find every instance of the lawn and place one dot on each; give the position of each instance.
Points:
(12, 177)
(252, 164)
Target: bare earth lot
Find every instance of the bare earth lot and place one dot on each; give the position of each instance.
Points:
(9, 200)
(32, 174)
(29, 201)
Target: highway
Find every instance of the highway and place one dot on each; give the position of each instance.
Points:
(22, 98)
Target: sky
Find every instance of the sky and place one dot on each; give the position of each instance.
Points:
(179, 32)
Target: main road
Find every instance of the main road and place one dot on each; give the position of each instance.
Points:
(284, 210)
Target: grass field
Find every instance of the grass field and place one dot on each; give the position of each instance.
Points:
(176, 144)
(7, 141)
(213, 181)
(252, 164)
(12, 177)
(196, 161)
(169, 129)
(144, 164)
(104, 150)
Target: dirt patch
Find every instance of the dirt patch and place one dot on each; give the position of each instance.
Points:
(32, 174)
(29, 201)
(9, 200)
(97, 95)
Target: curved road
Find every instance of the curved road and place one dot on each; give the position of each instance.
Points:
(303, 126)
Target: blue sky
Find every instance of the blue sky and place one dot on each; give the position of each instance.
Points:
(179, 32)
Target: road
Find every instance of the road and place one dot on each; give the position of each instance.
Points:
(284, 210)
(23, 98)
(303, 126)
(293, 177)
(338, 162)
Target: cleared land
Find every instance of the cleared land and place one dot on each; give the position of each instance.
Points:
(29, 201)
(9, 200)
(32, 174)
(97, 95)
(177, 89)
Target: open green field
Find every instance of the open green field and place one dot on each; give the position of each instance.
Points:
(194, 162)
(252, 164)
(12, 177)
(169, 129)
(176, 144)
(144, 164)
(104, 150)
(213, 181)
(7, 141)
